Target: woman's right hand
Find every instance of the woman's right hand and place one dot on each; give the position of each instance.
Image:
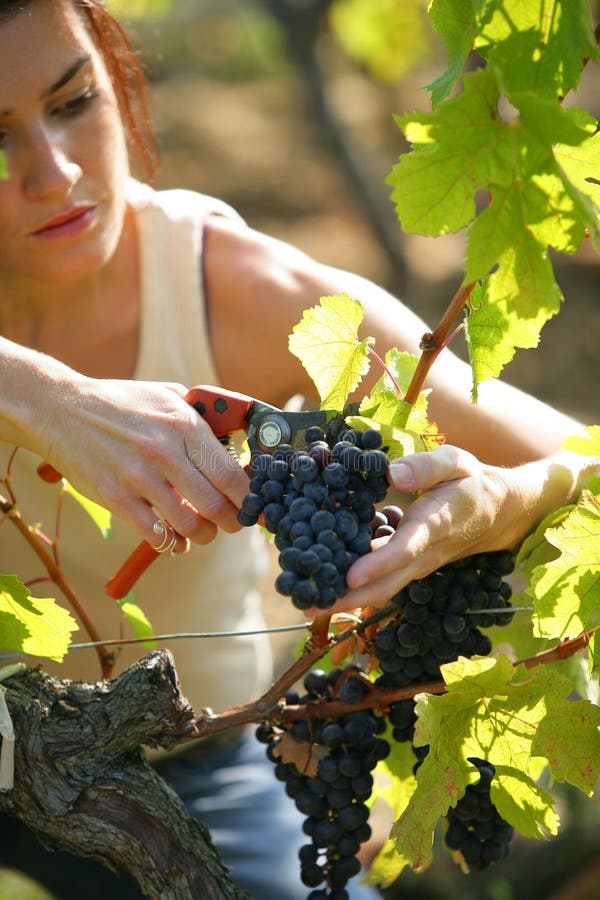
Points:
(140, 450)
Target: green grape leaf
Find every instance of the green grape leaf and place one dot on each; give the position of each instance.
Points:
(492, 711)
(538, 45)
(581, 165)
(529, 190)
(536, 550)
(569, 739)
(387, 37)
(399, 441)
(402, 365)
(586, 446)
(465, 146)
(326, 343)
(100, 516)
(396, 784)
(34, 625)
(490, 337)
(454, 20)
(138, 621)
(456, 150)
(384, 406)
(513, 305)
(567, 589)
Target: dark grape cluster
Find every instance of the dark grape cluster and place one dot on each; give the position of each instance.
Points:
(475, 827)
(319, 503)
(333, 799)
(439, 619)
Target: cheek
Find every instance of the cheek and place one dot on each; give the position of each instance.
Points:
(11, 214)
(105, 145)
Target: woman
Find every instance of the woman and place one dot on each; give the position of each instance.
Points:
(113, 301)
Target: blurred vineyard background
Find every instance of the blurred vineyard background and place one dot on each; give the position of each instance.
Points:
(284, 108)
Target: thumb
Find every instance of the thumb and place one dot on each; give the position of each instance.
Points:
(422, 471)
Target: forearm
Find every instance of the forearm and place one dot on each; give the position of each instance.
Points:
(32, 386)
(543, 486)
(507, 426)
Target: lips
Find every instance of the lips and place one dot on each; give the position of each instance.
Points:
(71, 220)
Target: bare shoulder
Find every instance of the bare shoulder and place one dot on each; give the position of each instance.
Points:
(256, 289)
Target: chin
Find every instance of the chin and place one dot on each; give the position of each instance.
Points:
(80, 261)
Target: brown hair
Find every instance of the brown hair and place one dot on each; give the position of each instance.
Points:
(124, 70)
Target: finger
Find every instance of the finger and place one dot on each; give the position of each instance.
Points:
(422, 471)
(197, 521)
(167, 540)
(218, 465)
(143, 516)
(419, 538)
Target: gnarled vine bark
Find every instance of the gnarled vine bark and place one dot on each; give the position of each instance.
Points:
(83, 785)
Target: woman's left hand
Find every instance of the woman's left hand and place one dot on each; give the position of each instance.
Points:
(463, 507)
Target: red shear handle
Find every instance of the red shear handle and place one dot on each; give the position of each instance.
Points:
(135, 565)
(225, 411)
(48, 473)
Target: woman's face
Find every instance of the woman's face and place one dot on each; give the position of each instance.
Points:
(62, 205)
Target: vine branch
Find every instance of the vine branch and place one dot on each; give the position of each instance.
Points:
(433, 342)
(271, 705)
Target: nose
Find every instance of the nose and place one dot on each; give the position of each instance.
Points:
(49, 171)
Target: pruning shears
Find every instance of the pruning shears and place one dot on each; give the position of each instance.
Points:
(226, 412)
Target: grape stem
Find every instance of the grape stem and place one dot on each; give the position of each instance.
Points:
(433, 342)
(386, 369)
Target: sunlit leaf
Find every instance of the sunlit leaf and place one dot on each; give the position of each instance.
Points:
(587, 446)
(326, 343)
(138, 621)
(34, 625)
(100, 516)
(396, 784)
(492, 712)
(454, 20)
(567, 589)
(538, 44)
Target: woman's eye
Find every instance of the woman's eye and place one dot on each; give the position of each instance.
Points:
(76, 105)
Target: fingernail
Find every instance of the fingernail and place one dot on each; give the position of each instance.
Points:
(400, 473)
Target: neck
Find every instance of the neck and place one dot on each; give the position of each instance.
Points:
(91, 324)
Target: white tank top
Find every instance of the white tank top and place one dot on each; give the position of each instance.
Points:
(213, 587)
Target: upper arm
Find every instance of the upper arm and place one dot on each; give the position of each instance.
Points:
(257, 289)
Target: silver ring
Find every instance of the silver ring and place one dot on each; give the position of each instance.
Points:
(169, 538)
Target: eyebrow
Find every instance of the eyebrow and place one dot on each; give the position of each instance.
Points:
(67, 76)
